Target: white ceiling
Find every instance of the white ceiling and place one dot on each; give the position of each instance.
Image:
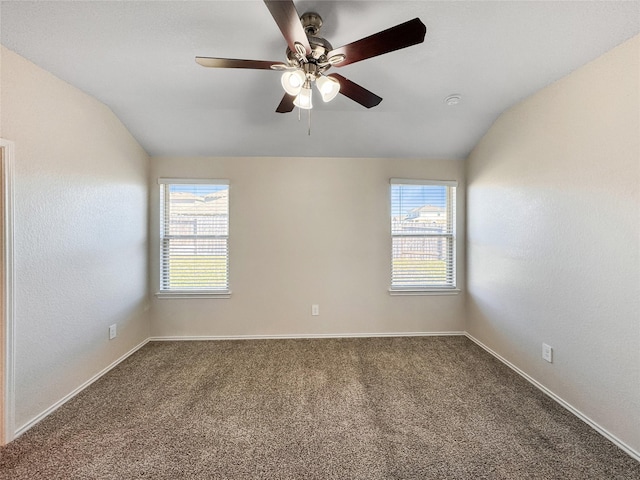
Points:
(138, 58)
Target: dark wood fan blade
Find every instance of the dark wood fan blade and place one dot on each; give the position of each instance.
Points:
(286, 104)
(286, 16)
(356, 93)
(394, 38)
(235, 63)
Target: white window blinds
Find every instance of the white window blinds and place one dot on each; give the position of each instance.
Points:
(423, 234)
(194, 235)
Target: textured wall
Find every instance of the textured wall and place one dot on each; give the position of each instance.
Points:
(80, 234)
(553, 239)
(303, 231)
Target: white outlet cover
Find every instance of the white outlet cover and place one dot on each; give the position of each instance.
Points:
(547, 353)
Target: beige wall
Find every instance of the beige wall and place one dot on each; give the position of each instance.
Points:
(553, 239)
(305, 231)
(80, 234)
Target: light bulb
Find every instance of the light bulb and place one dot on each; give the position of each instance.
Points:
(329, 87)
(293, 81)
(303, 100)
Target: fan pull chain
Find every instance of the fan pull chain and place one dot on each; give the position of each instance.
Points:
(309, 119)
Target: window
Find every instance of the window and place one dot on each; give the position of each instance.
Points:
(194, 236)
(423, 236)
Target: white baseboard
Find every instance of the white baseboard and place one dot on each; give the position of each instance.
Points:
(170, 338)
(76, 391)
(601, 430)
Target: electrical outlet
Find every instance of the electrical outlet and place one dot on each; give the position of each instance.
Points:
(113, 332)
(547, 353)
(315, 309)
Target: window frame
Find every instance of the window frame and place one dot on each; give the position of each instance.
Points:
(451, 210)
(164, 184)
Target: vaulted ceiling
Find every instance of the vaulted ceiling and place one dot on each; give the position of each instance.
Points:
(138, 58)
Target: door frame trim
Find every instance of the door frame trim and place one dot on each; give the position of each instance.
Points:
(8, 387)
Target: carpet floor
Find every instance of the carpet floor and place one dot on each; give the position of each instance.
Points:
(365, 408)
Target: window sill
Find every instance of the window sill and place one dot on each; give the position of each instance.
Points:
(424, 291)
(209, 294)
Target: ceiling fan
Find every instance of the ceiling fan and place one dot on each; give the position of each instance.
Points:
(309, 56)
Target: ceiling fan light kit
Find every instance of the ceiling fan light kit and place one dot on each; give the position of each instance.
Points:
(309, 56)
(303, 100)
(293, 81)
(329, 87)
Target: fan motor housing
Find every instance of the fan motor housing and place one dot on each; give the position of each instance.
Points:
(319, 49)
(311, 22)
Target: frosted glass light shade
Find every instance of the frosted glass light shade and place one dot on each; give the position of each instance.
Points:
(329, 87)
(303, 100)
(293, 81)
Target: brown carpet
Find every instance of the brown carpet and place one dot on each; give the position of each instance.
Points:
(376, 408)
